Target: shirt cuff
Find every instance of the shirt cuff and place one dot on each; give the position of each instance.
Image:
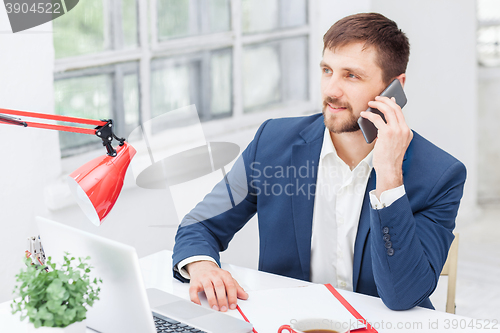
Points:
(182, 264)
(387, 197)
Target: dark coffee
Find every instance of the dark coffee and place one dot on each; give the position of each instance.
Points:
(321, 331)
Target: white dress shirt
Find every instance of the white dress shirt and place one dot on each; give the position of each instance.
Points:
(337, 207)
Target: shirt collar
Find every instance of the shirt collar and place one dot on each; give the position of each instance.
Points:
(327, 147)
(368, 159)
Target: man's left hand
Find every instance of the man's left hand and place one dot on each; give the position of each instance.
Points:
(392, 141)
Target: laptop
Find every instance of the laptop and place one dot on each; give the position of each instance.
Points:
(125, 305)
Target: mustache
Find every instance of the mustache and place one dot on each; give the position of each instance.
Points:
(337, 102)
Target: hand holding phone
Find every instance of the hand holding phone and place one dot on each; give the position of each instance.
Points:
(393, 90)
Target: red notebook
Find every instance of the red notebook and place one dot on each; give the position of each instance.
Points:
(341, 299)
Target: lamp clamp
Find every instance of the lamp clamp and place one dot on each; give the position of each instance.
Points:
(105, 132)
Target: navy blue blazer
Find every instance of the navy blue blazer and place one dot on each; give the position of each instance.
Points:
(399, 251)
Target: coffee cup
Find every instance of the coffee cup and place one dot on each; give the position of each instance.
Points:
(314, 325)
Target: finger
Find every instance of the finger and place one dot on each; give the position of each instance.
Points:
(386, 108)
(210, 293)
(220, 291)
(398, 114)
(194, 289)
(374, 118)
(398, 111)
(241, 293)
(390, 101)
(231, 290)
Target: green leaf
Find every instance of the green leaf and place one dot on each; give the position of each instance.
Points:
(70, 314)
(55, 290)
(44, 314)
(58, 322)
(66, 295)
(32, 312)
(75, 275)
(81, 310)
(55, 307)
(62, 276)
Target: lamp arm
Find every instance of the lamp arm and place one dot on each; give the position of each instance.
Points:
(53, 117)
(103, 129)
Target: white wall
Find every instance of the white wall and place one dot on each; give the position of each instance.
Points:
(442, 79)
(29, 156)
(325, 13)
(489, 143)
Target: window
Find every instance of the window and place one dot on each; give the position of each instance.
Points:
(133, 60)
(488, 33)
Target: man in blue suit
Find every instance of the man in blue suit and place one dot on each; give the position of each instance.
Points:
(373, 218)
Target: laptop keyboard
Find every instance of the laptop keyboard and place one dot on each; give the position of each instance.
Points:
(167, 325)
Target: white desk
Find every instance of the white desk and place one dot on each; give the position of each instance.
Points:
(371, 308)
(157, 273)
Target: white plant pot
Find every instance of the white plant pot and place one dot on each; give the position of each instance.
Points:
(78, 327)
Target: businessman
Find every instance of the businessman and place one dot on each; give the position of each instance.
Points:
(372, 218)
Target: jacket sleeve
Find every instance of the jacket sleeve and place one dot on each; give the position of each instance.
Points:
(209, 227)
(408, 248)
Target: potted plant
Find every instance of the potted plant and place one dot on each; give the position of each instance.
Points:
(56, 299)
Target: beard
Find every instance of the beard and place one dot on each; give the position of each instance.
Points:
(334, 123)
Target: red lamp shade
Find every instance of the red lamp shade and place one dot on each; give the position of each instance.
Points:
(97, 184)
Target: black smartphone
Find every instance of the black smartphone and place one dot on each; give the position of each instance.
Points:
(393, 90)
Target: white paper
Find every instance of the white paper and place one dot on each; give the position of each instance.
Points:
(269, 309)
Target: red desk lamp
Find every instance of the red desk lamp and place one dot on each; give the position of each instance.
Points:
(96, 184)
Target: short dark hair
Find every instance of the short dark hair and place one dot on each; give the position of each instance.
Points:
(376, 30)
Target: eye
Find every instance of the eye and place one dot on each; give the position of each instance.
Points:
(327, 70)
(352, 76)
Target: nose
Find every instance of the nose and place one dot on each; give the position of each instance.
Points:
(333, 87)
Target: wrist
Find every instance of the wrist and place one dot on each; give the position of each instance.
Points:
(387, 181)
(201, 263)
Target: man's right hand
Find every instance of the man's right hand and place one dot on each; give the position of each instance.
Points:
(218, 284)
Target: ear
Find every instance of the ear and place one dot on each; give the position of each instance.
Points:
(402, 79)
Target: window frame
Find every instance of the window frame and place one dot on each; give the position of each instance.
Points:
(150, 48)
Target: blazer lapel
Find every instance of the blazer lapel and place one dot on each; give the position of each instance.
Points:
(363, 229)
(364, 221)
(305, 159)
